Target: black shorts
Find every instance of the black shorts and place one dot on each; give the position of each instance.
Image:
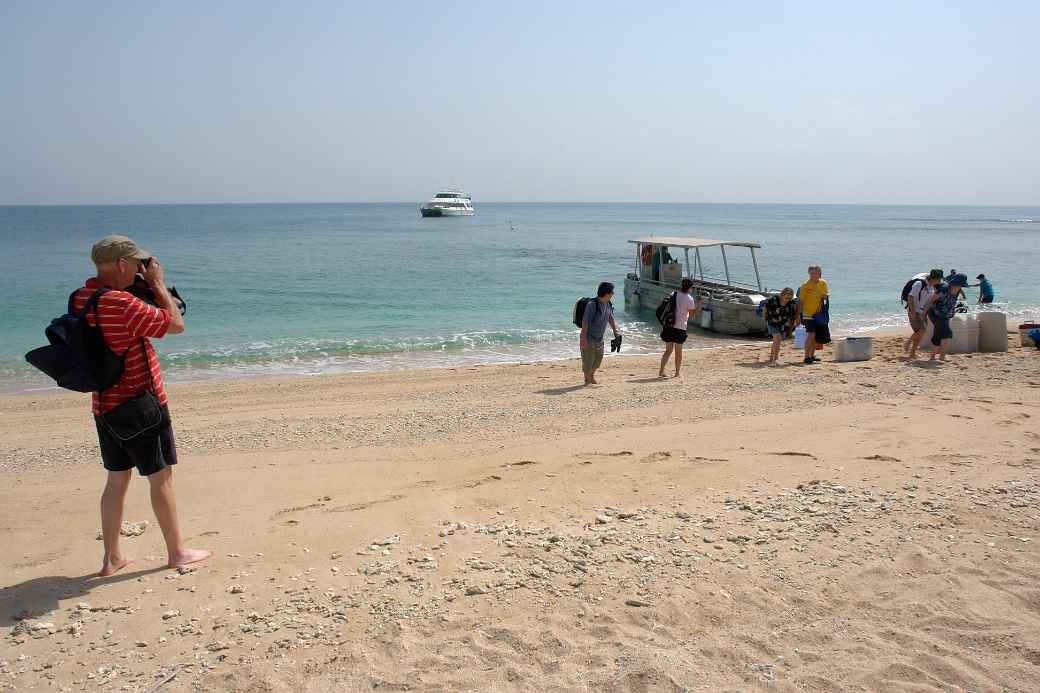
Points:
(150, 454)
(819, 329)
(673, 335)
(986, 299)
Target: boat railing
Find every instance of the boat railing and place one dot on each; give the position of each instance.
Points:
(710, 289)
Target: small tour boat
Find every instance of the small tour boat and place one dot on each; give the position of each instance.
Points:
(731, 304)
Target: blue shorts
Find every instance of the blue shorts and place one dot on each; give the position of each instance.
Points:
(775, 330)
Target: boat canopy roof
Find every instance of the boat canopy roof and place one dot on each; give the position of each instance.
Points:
(684, 242)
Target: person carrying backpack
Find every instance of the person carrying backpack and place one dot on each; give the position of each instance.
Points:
(598, 313)
(916, 294)
(680, 308)
(131, 416)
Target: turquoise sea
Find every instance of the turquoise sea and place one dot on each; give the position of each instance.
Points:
(321, 288)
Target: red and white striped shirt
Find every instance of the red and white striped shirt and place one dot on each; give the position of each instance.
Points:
(125, 319)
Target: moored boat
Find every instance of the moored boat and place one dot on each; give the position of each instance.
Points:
(731, 306)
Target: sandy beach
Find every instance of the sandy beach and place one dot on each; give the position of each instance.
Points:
(839, 527)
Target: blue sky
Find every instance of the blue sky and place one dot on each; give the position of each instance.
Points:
(909, 102)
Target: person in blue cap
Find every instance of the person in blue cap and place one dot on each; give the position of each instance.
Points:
(986, 293)
(942, 306)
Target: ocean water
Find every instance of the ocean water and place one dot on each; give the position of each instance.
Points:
(320, 288)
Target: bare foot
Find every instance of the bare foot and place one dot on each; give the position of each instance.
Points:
(114, 566)
(188, 556)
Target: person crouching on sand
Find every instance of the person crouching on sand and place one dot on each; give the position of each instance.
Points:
(127, 323)
(780, 314)
(942, 306)
(598, 314)
(674, 335)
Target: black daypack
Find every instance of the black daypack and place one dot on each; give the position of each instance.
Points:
(579, 310)
(77, 357)
(666, 311)
(904, 295)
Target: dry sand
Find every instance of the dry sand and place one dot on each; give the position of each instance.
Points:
(860, 526)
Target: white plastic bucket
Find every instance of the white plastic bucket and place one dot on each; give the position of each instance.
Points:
(993, 334)
(854, 349)
(799, 337)
(706, 317)
(965, 334)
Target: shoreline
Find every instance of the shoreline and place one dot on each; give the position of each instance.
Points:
(723, 342)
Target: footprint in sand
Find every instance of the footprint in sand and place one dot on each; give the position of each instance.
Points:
(662, 455)
(620, 453)
(788, 453)
(882, 458)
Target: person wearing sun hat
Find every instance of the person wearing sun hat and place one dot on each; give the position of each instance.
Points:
(127, 324)
(941, 307)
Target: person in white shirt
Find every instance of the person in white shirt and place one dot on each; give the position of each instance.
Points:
(921, 289)
(674, 334)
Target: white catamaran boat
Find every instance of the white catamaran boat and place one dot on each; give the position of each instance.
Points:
(448, 203)
(731, 304)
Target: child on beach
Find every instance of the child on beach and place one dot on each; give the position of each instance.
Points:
(780, 313)
(942, 306)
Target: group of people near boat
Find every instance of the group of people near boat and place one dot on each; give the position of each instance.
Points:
(930, 296)
(934, 297)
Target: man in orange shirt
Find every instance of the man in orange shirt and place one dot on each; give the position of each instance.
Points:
(126, 322)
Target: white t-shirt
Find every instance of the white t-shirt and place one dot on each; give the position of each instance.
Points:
(920, 291)
(684, 303)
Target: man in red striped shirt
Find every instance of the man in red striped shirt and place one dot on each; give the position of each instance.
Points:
(126, 324)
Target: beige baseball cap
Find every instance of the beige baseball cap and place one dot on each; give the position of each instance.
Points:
(112, 247)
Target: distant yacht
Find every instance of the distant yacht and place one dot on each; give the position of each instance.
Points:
(448, 203)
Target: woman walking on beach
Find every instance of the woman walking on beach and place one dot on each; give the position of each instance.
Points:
(780, 314)
(674, 334)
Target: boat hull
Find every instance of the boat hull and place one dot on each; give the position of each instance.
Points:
(733, 317)
(439, 212)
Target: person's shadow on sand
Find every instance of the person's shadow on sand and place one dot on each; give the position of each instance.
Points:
(37, 597)
(561, 390)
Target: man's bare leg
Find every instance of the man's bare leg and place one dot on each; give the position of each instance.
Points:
(165, 506)
(678, 359)
(112, 499)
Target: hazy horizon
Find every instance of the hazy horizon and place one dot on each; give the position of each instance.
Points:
(806, 103)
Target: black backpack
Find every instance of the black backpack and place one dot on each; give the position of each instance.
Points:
(579, 310)
(77, 357)
(907, 287)
(666, 311)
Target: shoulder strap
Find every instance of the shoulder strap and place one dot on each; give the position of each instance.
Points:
(91, 302)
